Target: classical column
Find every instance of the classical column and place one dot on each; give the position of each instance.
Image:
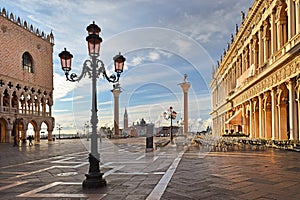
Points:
(260, 115)
(256, 119)
(279, 32)
(1, 101)
(273, 33)
(261, 47)
(291, 18)
(266, 39)
(297, 4)
(116, 92)
(274, 115)
(268, 117)
(250, 53)
(39, 106)
(255, 49)
(251, 119)
(10, 104)
(185, 88)
(282, 113)
(292, 110)
(298, 110)
(244, 123)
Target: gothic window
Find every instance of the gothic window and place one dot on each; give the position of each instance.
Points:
(5, 99)
(27, 62)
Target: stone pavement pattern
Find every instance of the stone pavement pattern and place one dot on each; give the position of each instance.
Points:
(56, 170)
(269, 174)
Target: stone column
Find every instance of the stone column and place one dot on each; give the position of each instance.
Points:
(116, 92)
(260, 115)
(292, 110)
(49, 135)
(298, 109)
(265, 39)
(1, 101)
(297, 4)
(250, 53)
(261, 48)
(255, 52)
(282, 114)
(39, 106)
(273, 33)
(251, 119)
(268, 116)
(10, 139)
(291, 18)
(274, 115)
(185, 88)
(37, 136)
(256, 119)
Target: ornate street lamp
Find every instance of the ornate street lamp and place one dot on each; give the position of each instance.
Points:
(87, 126)
(93, 67)
(170, 115)
(59, 128)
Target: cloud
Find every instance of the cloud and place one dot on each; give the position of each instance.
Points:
(61, 86)
(71, 98)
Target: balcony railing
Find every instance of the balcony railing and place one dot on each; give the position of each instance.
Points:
(9, 110)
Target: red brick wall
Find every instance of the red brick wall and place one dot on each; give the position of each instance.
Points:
(14, 41)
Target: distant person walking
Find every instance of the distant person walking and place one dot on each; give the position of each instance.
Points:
(30, 140)
(15, 141)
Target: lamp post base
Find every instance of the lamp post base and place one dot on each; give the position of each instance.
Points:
(94, 179)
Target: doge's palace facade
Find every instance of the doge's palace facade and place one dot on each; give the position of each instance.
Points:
(256, 85)
(26, 79)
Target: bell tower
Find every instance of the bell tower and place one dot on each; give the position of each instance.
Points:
(125, 119)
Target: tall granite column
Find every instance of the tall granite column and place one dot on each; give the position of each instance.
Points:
(116, 92)
(185, 88)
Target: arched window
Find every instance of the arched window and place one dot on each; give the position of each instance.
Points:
(27, 62)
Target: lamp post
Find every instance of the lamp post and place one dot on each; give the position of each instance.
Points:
(16, 126)
(88, 130)
(170, 115)
(59, 128)
(93, 67)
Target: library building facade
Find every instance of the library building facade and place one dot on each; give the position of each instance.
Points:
(256, 85)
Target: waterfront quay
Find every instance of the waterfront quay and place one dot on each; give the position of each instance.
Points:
(55, 170)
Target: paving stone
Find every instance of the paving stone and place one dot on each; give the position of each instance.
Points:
(134, 174)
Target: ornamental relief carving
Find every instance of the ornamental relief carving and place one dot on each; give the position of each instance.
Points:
(271, 81)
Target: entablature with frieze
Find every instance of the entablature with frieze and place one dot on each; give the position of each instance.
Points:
(268, 82)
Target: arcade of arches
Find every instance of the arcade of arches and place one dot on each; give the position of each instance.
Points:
(20, 106)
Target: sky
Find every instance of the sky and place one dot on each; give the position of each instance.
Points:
(161, 40)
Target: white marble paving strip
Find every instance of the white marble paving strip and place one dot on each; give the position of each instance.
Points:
(159, 189)
(33, 172)
(139, 173)
(12, 172)
(12, 185)
(71, 166)
(45, 187)
(40, 160)
(139, 158)
(35, 193)
(116, 168)
(64, 160)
